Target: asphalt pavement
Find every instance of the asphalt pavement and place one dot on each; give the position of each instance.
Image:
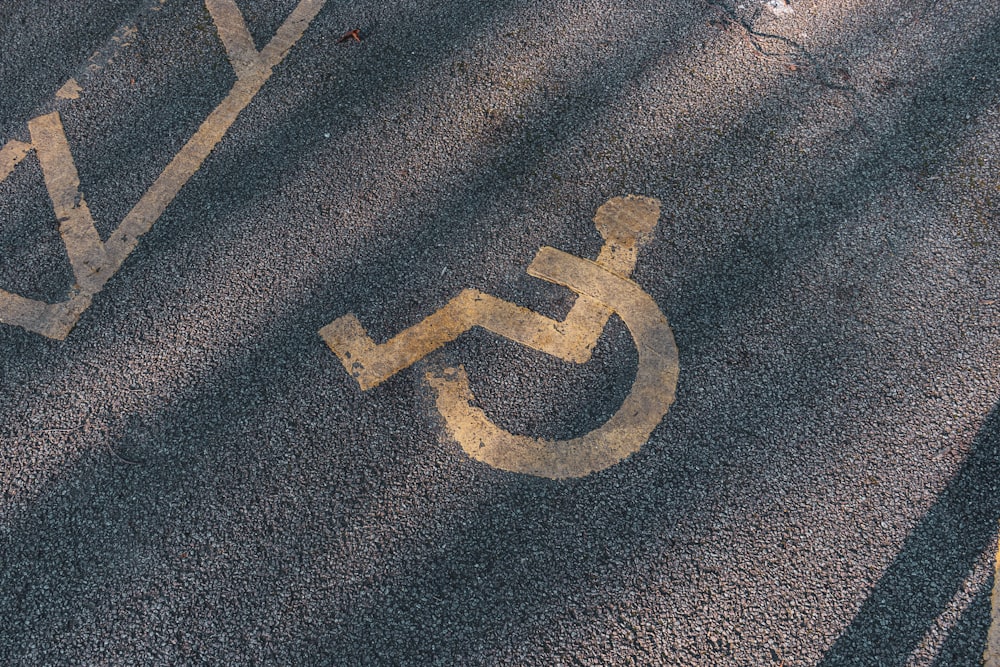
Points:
(191, 191)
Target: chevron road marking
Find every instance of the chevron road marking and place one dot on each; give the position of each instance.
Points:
(94, 262)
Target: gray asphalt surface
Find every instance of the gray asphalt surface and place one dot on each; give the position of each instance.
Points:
(191, 477)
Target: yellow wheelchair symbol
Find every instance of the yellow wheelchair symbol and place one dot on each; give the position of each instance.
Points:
(603, 287)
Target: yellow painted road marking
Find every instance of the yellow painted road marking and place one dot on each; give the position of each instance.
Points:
(371, 364)
(76, 226)
(651, 395)
(603, 287)
(94, 262)
(190, 158)
(235, 37)
(991, 656)
(625, 224)
(70, 91)
(11, 155)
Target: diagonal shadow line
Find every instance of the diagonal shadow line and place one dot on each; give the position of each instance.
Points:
(931, 124)
(934, 561)
(776, 236)
(969, 634)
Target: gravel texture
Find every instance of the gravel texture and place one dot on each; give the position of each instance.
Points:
(192, 478)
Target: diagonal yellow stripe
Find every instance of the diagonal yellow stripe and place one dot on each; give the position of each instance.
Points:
(76, 225)
(235, 37)
(93, 262)
(11, 155)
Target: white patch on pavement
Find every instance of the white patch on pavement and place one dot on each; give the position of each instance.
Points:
(779, 7)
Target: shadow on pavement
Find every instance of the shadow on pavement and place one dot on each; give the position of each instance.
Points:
(935, 560)
(234, 521)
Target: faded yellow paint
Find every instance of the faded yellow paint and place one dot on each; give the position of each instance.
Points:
(235, 37)
(603, 288)
(624, 222)
(70, 90)
(76, 225)
(95, 262)
(371, 364)
(991, 656)
(11, 155)
(651, 395)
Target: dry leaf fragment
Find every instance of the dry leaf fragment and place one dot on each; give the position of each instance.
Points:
(351, 34)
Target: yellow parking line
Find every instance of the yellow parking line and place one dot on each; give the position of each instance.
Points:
(94, 262)
(190, 158)
(290, 32)
(11, 155)
(235, 36)
(991, 656)
(76, 225)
